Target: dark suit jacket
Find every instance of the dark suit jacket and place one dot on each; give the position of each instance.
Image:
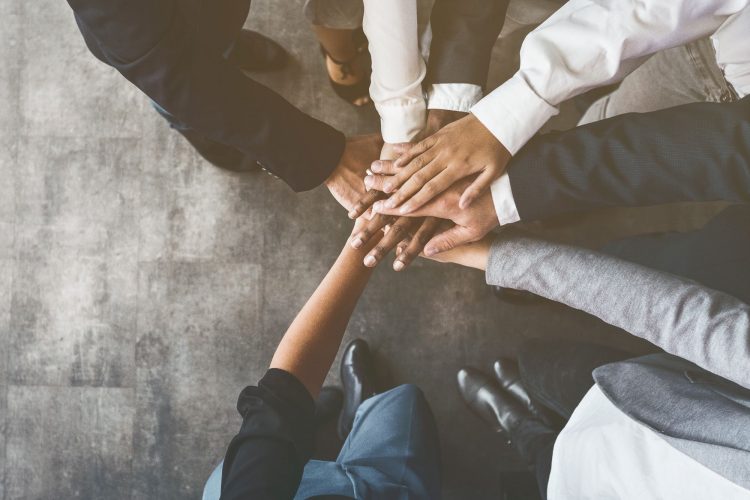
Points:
(172, 51)
(695, 152)
(463, 33)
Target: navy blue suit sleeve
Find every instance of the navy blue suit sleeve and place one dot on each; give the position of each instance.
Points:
(695, 152)
(151, 44)
(463, 34)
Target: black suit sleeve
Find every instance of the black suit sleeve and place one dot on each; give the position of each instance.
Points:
(694, 152)
(265, 460)
(151, 44)
(463, 33)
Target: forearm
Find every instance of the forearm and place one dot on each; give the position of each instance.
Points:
(397, 67)
(309, 346)
(707, 327)
(585, 45)
(696, 152)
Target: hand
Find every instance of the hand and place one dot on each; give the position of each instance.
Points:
(470, 255)
(346, 181)
(471, 224)
(436, 119)
(426, 169)
(408, 235)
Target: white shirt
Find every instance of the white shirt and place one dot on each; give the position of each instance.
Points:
(604, 454)
(399, 46)
(592, 43)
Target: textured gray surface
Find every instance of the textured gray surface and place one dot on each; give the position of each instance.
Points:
(141, 289)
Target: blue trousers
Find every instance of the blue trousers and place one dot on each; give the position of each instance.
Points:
(392, 452)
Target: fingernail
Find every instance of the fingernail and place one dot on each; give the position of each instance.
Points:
(357, 243)
(368, 182)
(370, 261)
(405, 209)
(390, 203)
(398, 265)
(352, 214)
(378, 206)
(375, 167)
(429, 251)
(387, 187)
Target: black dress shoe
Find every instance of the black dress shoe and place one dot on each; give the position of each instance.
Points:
(508, 376)
(220, 155)
(358, 381)
(255, 52)
(496, 407)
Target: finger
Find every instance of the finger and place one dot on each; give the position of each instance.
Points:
(400, 230)
(417, 177)
(430, 190)
(363, 203)
(384, 167)
(382, 183)
(447, 240)
(366, 229)
(478, 187)
(410, 153)
(433, 208)
(416, 244)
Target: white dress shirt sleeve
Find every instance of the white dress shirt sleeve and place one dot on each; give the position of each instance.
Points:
(453, 96)
(588, 44)
(398, 67)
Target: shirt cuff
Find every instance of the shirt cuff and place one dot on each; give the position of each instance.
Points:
(513, 112)
(502, 198)
(402, 122)
(453, 96)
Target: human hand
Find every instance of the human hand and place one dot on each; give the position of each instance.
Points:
(346, 181)
(470, 255)
(436, 119)
(471, 223)
(426, 169)
(407, 234)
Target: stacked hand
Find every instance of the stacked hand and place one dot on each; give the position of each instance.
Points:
(445, 176)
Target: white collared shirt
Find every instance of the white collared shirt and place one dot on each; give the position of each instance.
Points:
(602, 453)
(592, 43)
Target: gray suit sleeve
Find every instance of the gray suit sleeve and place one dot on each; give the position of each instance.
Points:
(695, 152)
(707, 327)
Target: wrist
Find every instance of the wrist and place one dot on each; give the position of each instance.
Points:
(439, 118)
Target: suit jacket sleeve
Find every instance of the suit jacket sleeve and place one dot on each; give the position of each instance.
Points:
(463, 33)
(705, 326)
(151, 44)
(695, 152)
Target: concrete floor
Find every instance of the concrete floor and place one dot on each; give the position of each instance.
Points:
(141, 289)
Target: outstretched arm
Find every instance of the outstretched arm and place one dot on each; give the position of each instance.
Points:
(705, 326)
(266, 458)
(310, 344)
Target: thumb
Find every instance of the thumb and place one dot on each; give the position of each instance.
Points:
(449, 239)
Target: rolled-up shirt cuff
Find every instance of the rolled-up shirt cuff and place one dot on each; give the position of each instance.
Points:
(453, 96)
(513, 112)
(402, 122)
(502, 198)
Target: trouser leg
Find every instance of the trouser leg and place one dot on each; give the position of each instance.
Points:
(680, 75)
(392, 451)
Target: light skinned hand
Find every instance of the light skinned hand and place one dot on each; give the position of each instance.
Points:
(473, 254)
(436, 119)
(346, 181)
(471, 223)
(424, 170)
